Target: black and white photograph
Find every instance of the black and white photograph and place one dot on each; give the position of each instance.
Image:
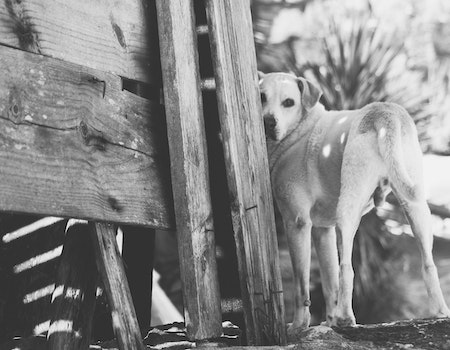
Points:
(235, 174)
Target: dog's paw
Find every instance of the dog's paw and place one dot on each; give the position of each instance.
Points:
(328, 322)
(295, 332)
(344, 321)
(444, 313)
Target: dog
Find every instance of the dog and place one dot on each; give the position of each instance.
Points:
(327, 169)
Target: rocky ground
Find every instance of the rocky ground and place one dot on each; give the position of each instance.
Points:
(418, 334)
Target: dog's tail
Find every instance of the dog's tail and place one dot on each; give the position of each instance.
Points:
(389, 133)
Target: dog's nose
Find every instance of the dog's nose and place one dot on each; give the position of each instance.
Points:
(270, 122)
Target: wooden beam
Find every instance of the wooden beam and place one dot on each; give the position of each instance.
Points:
(187, 146)
(234, 61)
(108, 35)
(73, 300)
(112, 272)
(73, 144)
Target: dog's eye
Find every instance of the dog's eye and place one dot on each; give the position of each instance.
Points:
(289, 102)
(263, 98)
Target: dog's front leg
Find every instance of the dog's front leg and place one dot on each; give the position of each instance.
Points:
(326, 248)
(298, 231)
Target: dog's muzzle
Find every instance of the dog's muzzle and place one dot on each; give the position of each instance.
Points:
(270, 125)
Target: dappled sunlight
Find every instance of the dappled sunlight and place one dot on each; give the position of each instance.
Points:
(39, 293)
(326, 150)
(25, 230)
(342, 120)
(60, 326)
(41, 328)
(38, 259)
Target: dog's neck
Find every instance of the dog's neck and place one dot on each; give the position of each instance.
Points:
(275, 148)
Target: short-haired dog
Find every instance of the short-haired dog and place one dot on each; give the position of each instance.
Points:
(328, 168)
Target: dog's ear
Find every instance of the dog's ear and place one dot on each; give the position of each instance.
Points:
(310, 93)
(261, 75)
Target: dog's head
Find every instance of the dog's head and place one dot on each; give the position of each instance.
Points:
(285, 99)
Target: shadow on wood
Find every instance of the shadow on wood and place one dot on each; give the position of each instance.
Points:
(73, 300)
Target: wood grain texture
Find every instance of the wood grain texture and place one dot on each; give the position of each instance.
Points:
(187, 146)
(112, 272)
(109, 35)
(234, 61)
(73, 301)
(72, 143)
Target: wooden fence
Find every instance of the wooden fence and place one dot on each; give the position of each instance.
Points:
(76, 142)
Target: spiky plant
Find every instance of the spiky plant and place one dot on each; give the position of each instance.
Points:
(363, 64)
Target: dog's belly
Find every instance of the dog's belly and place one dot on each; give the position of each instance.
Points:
(323, 212)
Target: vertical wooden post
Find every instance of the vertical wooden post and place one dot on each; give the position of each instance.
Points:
(112, 272)
(189, 168)
(73, 300)
(138, 255)
(234, 61)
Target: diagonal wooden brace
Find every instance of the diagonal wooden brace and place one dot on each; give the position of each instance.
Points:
(112, 272)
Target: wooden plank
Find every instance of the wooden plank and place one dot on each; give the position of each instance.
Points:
(108, 35)
(73, 300)
(112, 272)
(187, 147)
(72, 143)
(138, 255)
(234, 61)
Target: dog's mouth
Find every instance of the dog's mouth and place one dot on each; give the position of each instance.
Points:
(270, 127)
(271, 134)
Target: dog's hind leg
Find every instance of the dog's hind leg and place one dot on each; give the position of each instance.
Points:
(359, 177)
(326, 248)
(345, 230)
(408, 187)
(419, 217)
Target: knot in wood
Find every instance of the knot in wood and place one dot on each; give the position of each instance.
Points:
(307, 303)
(91, 137)
(15, 106)
(84, 130)
(14, 114)
(15, 109)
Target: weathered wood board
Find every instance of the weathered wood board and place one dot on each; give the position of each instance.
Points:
(73, 144)
(109, 35)
(234, 61)
(189, 168)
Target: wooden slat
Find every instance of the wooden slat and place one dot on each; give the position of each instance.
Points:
(112, 272)
(232, 46)
(73, 301)
(113, 36)
(187, 146)
(72, 143)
